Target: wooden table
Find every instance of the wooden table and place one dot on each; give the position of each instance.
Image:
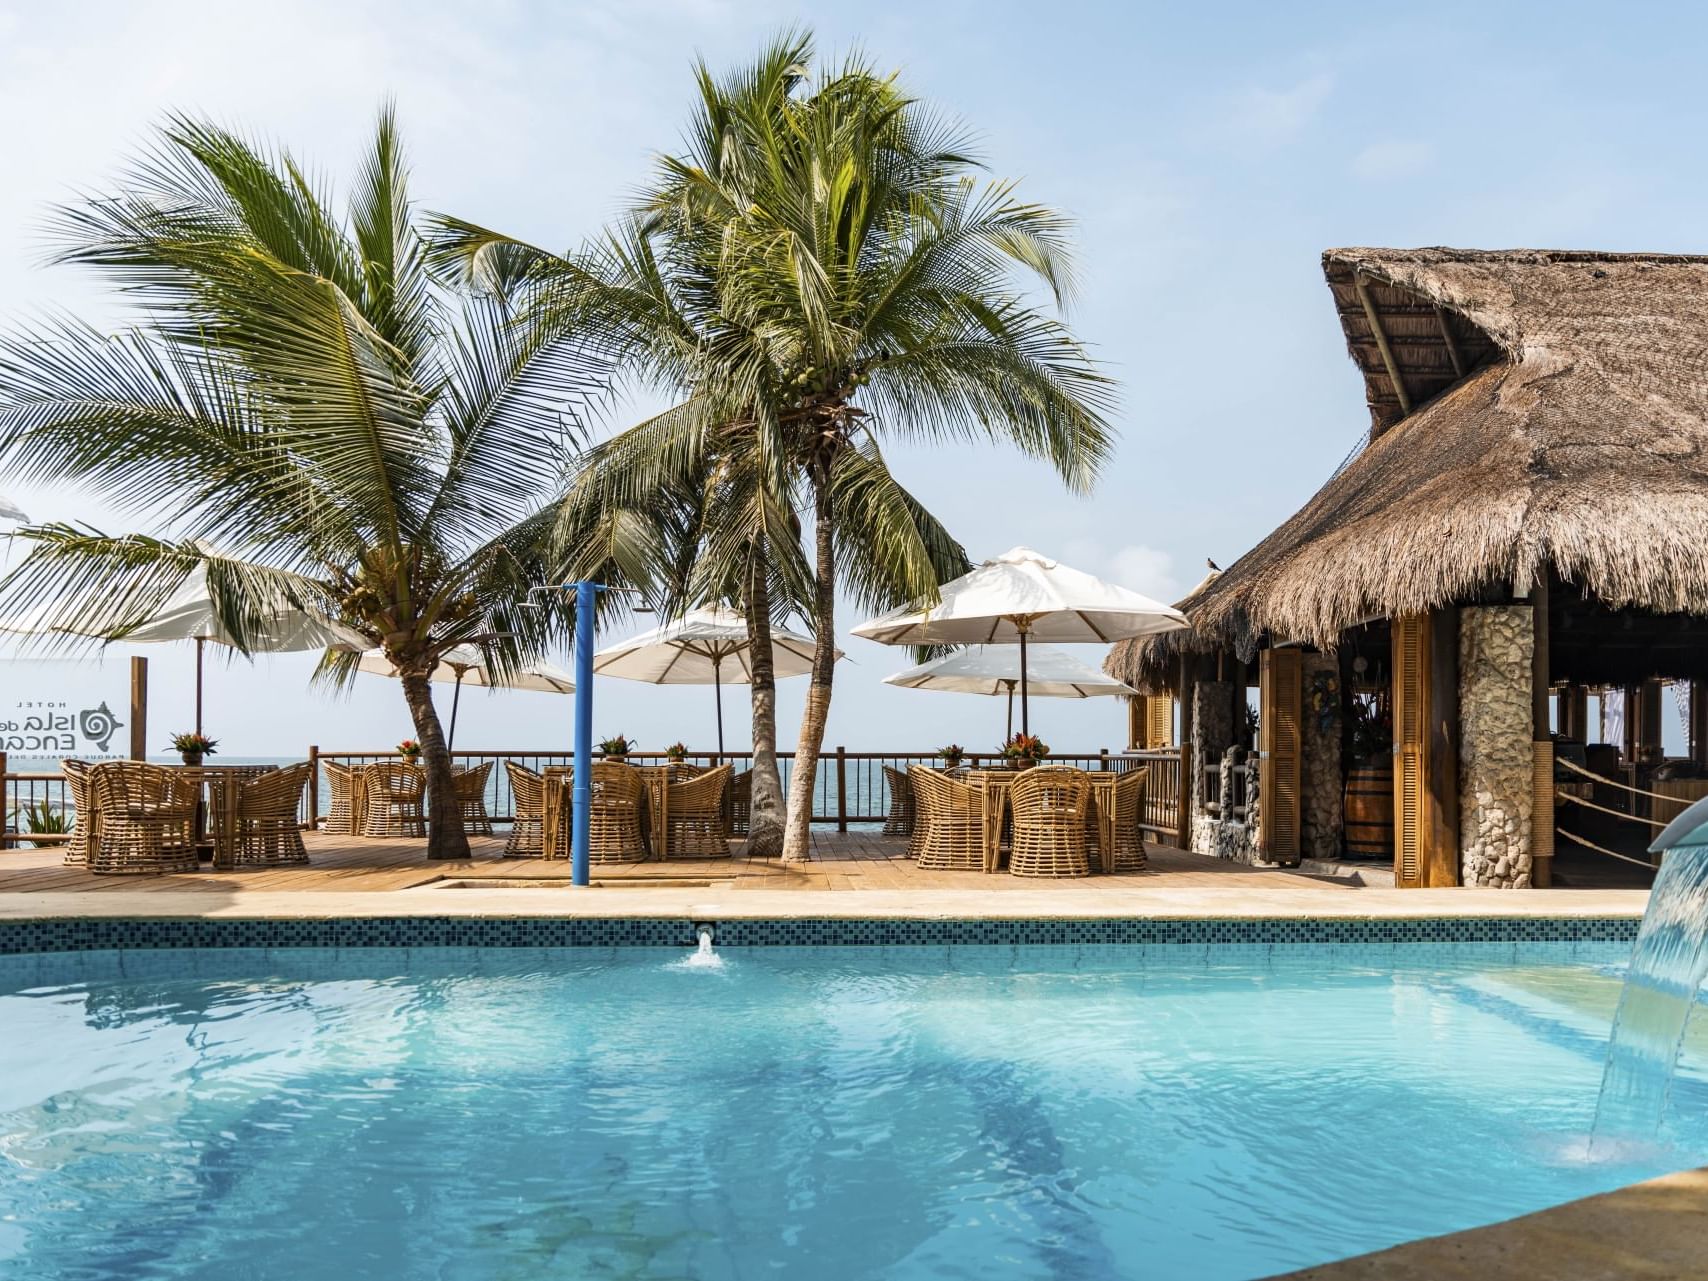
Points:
(219, 819)
(994, 784)
(558, 803)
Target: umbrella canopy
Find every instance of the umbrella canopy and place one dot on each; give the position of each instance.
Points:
(189, 614)
(1022, 596)
(995, 670)
(466, 665)
(703, 647)
(10, 510)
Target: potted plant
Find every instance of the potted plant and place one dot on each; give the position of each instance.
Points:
(192, 747)
(410, 750)
(617, 748)
(952, 755)
(676, 753)
(1024, 751)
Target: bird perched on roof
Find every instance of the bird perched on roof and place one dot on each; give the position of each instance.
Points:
(1212, 564)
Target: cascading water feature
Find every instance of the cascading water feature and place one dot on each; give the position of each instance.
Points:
(703, 957)
(1668, 965)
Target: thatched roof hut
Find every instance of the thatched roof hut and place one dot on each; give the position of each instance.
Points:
(1526, 407)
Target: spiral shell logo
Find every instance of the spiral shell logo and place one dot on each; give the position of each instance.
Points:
(98, 723)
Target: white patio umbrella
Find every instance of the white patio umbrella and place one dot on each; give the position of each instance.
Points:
(465, 664)
(995, 670)
(703, 647)
(189, 615)
(1022, 596)
(10, 510)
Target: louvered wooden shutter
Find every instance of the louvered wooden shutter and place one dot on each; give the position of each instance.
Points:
(1281, 694)
(1411, 734)
(1159, 721)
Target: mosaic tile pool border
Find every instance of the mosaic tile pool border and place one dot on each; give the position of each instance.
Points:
(87, 934)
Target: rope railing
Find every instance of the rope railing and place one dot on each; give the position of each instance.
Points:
(1624, 787)
(1602, 849)
(1591, 805)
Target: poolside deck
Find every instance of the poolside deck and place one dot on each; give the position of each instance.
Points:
(854, 874)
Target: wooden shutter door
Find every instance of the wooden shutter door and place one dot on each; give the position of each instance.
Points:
(1411, 735)
(1281, 696)
(1159, 721)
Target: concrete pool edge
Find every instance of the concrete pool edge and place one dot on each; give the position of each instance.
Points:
(1653, 1229)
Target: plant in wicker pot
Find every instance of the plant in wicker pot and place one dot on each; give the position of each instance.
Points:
(192, 747)
(676, 753)
(1024, 751)
(952, 756)
(410, 750)
(617, 748)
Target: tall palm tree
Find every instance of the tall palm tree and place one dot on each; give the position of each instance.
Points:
(301, 393)
(885, 287)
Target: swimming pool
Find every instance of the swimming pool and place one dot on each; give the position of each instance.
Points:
(1159, 1111)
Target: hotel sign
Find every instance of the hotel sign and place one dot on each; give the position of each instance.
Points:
(50, 727)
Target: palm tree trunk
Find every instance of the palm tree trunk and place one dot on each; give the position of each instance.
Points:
(765, 817)
(797, 842)
(445, 835)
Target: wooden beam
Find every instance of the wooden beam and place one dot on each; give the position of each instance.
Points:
(1441, 799)
(1452, 343)
(1542, 816)
(1375, 320)
(138, 709)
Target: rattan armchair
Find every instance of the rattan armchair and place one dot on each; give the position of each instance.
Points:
(266, 825)
(148, 819)
(901, 818)
(341, 783)
(85, 818)
(614, 818)
(1127, 845)
(738, 808)
(951, 836)
(393, 792)
(1050, 806)
(471, 798)
(694, 816)
(528, 805)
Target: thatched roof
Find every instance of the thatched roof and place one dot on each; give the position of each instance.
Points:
(1548, 406)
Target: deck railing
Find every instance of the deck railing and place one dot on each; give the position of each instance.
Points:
(850, 788)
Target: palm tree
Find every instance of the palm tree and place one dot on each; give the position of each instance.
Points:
(301, 393)
(877, 279)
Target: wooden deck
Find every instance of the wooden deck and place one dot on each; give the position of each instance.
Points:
(841, 861)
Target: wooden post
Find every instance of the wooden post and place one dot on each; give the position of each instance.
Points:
(1188, 769)
(1138, 717)
(841, 789)
(1183, 808)
(1542, 740)
(1699, 722)
(1441, 799)
(1411, 637)
(314, 787)
(1281, 731)
(139, 709)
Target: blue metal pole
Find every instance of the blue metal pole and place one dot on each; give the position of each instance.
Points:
(582, 795)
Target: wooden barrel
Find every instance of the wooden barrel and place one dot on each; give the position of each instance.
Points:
(1368, 809)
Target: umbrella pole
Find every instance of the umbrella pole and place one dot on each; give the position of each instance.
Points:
(1010, 731)
(1025, 718)
(456, 697)
(201, 641)
(718, 685)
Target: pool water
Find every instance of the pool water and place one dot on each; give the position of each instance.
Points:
(1160, 1112)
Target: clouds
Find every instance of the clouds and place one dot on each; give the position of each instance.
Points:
(1139, 567)
(1394, 158)
(1270, 115)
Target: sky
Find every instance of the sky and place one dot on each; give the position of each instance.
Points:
(1209, 153)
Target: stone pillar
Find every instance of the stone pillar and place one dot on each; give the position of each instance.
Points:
(1496, 769)
(1212, 734)
(1320, 783)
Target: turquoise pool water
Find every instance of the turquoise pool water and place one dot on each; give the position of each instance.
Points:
(1164, 1112)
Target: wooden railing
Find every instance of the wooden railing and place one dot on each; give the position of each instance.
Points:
(1235, 808)
(850, 787)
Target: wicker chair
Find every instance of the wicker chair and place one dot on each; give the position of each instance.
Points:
(528, 797)
(393, 792)
(1050, 806)
(148, 819)
(694, 816)
(738, 805)
(341, 783)
(953, 831)
(85, 817)
(614, 818)
(471, 798)
(267, 825)
(1128, 842)
(900, 821)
